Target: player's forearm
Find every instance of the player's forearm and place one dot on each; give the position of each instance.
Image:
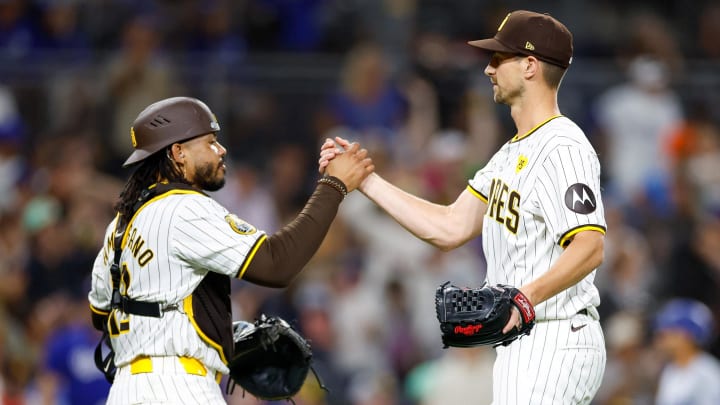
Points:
(440, 225)
(284, 254)
(581, 257)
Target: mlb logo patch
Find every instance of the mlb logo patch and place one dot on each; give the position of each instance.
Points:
(239, 226)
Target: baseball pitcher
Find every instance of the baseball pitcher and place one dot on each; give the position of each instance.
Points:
(537, 204)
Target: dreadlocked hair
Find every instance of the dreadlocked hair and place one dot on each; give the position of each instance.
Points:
(154, 168)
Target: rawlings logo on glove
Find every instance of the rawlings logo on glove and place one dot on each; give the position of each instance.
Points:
(473, 317)
(467, 330)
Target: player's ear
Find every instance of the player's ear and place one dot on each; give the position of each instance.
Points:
(531, 66)
(175, 152)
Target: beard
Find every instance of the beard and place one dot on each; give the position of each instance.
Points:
(209, 177)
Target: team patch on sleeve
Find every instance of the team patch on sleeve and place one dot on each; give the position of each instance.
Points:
(580, 198)
(239, 226)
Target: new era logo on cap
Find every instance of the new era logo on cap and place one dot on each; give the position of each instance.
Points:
(530, 33)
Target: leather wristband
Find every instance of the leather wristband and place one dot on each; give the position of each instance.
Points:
(335, 183)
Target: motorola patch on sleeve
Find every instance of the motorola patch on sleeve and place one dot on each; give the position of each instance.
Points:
(580, 198)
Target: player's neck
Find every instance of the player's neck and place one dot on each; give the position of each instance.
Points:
(532, 110)
(682, 358)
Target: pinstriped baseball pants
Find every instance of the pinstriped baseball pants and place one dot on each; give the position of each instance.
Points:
(167, 383)
(560, 363)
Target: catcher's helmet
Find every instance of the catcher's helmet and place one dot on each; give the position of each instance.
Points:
(688, 315)
(168, 121)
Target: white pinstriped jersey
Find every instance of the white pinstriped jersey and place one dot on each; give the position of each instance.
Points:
(171, 243)
(541, 188)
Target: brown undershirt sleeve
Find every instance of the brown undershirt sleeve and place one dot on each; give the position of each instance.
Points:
(284, 254)
(98, 320)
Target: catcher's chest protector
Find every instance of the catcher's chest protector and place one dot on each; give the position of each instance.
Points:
(213, 313)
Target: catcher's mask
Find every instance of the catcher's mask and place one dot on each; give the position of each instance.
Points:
(168, 121)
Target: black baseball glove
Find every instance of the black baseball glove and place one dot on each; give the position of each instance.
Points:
(271, 360)
(476, 316)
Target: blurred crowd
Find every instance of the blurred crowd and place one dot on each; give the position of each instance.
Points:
(396, 75)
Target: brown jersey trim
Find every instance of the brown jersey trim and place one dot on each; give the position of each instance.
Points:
(188, 307)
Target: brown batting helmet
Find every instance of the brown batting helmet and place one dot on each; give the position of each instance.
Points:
(169, 121)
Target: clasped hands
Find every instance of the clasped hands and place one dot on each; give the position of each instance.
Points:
(346, 161)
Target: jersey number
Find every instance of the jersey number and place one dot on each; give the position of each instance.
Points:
(119, 323)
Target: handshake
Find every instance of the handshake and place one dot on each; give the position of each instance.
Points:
(346, 161)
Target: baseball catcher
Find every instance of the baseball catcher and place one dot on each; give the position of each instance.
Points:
(271, 360)
(474, 317)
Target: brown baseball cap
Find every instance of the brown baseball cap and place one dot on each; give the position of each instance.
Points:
(530, 33)
(168, 121)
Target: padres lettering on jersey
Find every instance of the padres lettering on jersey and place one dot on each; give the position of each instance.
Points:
(504, 205)
(541, 190)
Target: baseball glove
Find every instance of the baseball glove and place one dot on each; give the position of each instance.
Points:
(270, 360)
(474, 317)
